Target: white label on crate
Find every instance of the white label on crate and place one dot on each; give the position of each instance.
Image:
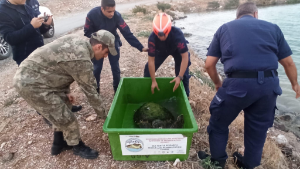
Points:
(161, 144)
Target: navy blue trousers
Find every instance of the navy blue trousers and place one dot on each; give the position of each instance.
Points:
(257, 97)
(160, 58)
(115, 68)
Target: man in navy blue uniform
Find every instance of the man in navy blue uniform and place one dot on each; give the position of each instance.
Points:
(107, 18)
(167, 40)
(250, 50)
(21, 27)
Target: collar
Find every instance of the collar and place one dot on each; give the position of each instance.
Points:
(247, 16)
(10, 5)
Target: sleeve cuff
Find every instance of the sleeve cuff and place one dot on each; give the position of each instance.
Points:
(285, 55)
(140, 48)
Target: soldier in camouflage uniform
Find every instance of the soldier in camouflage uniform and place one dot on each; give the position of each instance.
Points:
(44, 78)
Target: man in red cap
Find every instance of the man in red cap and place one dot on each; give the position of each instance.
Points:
(168, 40)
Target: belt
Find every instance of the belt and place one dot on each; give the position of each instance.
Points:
(267, 73)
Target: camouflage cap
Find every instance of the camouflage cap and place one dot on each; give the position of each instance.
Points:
(108, 39)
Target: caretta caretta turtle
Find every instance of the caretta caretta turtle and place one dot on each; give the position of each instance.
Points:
(153, 115)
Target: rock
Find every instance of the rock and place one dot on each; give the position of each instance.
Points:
(177, 161)
(176, 14)
(91, 117)
(2, 145)
(288, 152)
(7, 157)
(153, 12)
(104, 137)
(187, 35)
(113, 166)
(280, 126)
(193, 153)
(83, 127)
(285, 118)
(192, 103)
(29, 142)
(281, 140)
(296, 155)
(241, 150)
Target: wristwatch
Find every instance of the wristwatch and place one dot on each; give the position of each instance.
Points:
(180, 77)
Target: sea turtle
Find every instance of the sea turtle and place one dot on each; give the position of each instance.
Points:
(152, 115)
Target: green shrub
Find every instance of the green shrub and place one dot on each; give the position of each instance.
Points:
(207, 164)
(148, 18)
(213, 5)
(232, 4)
(137, 9)
(126, 16)
(293, 1)
(207, 81)
(163, 6)
(144, 34)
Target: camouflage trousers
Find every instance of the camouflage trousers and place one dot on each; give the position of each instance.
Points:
(55, 107)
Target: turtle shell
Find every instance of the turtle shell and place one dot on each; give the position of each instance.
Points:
(150, 112)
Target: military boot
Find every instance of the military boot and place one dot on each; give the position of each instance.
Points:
(220, 163)
(59, 144)
(238, 159)
(84, 151)
(76, 108)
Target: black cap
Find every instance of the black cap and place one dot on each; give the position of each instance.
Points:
(108, 3)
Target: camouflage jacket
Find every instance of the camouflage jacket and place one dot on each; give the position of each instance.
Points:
(55, 66)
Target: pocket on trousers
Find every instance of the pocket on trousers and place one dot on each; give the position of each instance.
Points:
(215, 107)
(278, 91)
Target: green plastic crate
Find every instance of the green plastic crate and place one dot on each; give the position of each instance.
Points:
(147, 144)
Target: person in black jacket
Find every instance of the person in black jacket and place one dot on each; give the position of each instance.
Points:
(21, 28)
(107, 18)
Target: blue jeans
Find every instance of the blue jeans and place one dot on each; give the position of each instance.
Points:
(115, 68)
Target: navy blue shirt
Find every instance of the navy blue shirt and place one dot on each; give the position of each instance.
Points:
(175, 43)
(16, 29)
(96, 21)
(249, 44)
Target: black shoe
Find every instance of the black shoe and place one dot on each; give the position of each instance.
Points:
(84, 151)
(98, 90)
(59, 144)
(202, 155)
(238, 159)
(220, 163)
(76, 108)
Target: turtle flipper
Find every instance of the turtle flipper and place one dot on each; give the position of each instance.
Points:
(144, 124)
(159, 124)
(179, 122)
